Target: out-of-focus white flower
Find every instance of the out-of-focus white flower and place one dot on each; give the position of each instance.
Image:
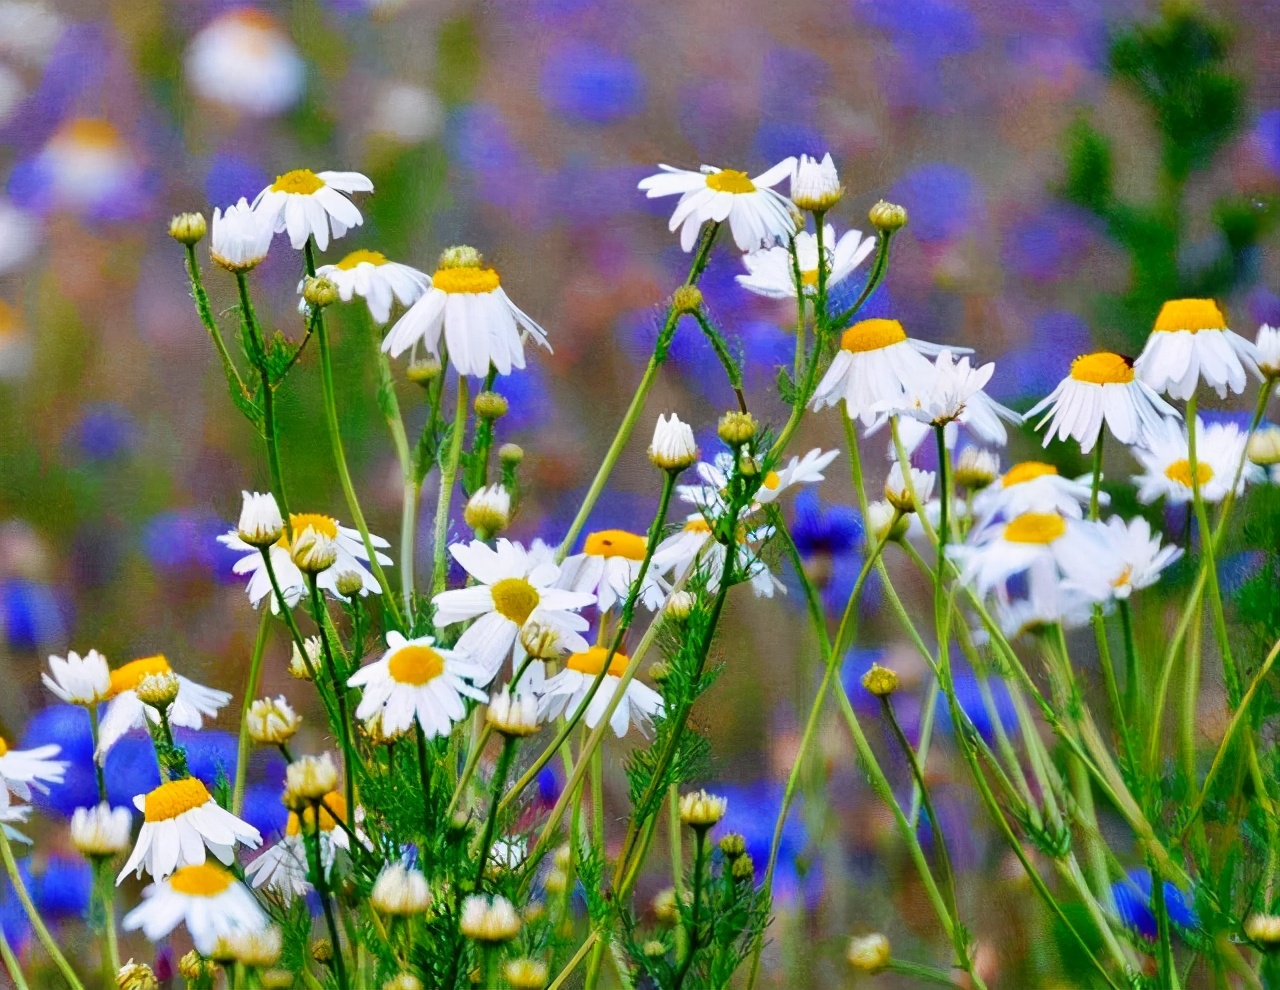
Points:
(489, 919)
(407, 114)
(999, 552)
(310, 204)
(976, 468)
(258, 949)
(79, 680)
(243, 60)
(101, 830)
(1135, 561)
(181, 819)
(23, 769)
(19, 236)
(488, 511)
(126, 710)
(567, 690)
(907, 499)
(208, 899)
(693, 545)
(87, 167)
(415, 679)
(770, 272)
(513, 715)
(815, 185)
(1268, 345)
(1166, 459)
(673, 447)
(758, 215)
(28, 30)
(309, 779)
(260, 521)
(953, 393)
(239, 238)
(284, 867)
(379, 282)
(1191, 341)
(400, 891)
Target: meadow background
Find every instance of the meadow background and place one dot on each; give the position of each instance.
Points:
(521, 127)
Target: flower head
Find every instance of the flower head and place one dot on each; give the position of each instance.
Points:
(673, 447)
(699, 809)
(487, 919)
(309, 204)
(207, 898)
(260, 521)
(417, 680)
(609, 565)
(1268, 345)
(815, 185)
(126, 710)
(240, 238)
(400, 891)
(101, 830)
(757, 215)
(514, 716)
(1220, 454)
(379, 282)
(271, 721)
(488, 511)
(180, 820)
(308, 779)
(567, 692)
(772, 273)
(1191, 341)
(79, 680)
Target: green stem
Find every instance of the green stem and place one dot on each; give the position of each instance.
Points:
(257, 349)
(491, 822)
(11, 964)
(1132, 704)
(339, 694)
(250, 691)
(33, 915)
(97, 760)
(448, 473)
(108, 895)
(917, 971)
(312, 840)
(205, 313)
(390, 406)
(700, 842)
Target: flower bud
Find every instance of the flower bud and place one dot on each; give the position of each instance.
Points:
(423, 371)
(489, 920)
(673, 447)
(275, 979)
(680, 605)
(733, 845)
(101, 831)
(1263, 929)
(260, 949)
(313, 551)
(700, 810)
(815, 185)
(880, 681)
(884, 522)
(903, 497)
(488, 511)
(187, 228)
(511, 454)
(136, 976)
(159, 691)
(403, 981)
(320, 292)
(736, 428)
(556, 883)
(541, 640)
(308, 779)
(686, 299)
(869, 953)
(526, 974)
(887, 217)
(654, 949)
(271, 721)
(514, 716)
(400, 891)
(659, 671)
(976, 468)
(1264, 446)
(743, 869)
(260, 521)
(491, 405)
(196, 969)
(322, 950)
(348, 582)
(664, 906)
(298, 665)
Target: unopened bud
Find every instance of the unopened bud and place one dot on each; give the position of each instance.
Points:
(349, 582)
(313, 551)
(700, 810)
(680, 605)
(403, 981)
(298, 664)
(888, 217)
(488, 511)
(526, 974)
(541, 640)
(686, 299)
(187, 228)
(736, 428)
(423, 371)
(1263, 929)
(159, 691)
(196, 969)
(1264, 446)
(136, 976)
(511, 453)
(491, 405)
(664, 907)
(654, 949)
(976, 468)
(322, 950)
(659, 671)
(320, 292)
(869, 953)
(733, 845)
(880, 681)
(460, 256)
(743, 869)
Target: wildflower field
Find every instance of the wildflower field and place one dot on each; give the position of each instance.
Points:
(587, 493)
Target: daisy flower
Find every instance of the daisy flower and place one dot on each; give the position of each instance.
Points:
(209, 900)
(1101, 389)
(15, 813)
(609, 565)
(952, 393)
(379, 282)
(1136, 561)
(309, 204)
(709, 496)
(1048, 599)
(126, 711)
(293, 584)
(815, 185)
(1166, 459)
(1034, 486)
(181, 818)
(514, 587)
(1190, 341)
(999, 552)
(694, 544)
(877, 363)
(79, 680)
(415, 679)
(240, 238)
(565, 692)
(23, 769)
(1268, 345)
(481, 325)
(770, 272)
(758, 215)
(282, 868)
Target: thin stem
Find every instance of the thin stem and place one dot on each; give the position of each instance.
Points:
(97, 759)
(205, 313)
(33, 915)
(312, 840)
(448, 473)
(917, 971)
(1132, 666)
(491, 821)
(339, 694)
(108, 894)
(424, 771)
(250, 691)
(257, 349)
(700, 842)
(12, 966)
(572, 964)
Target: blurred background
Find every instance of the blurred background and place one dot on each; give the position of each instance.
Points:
(1056, 193)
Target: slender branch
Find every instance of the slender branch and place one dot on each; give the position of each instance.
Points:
(33, 915)
(448, 473)
(250, 692)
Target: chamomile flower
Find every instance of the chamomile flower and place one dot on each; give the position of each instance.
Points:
(239, 238)
(566, 691)
(876, 364)
(1191, 341)
(379, 282)
(1166, 459)
(757, 215)
(79, 680)
(1101, 389)
(466, 303)
(309, 204)
(416, 679)
(209, 900)
(23, 769)
(710, 494)
(11, 814)
(1048, 599)
(351, 557)
(770, 272)
(514, 586)
(126, 711)
(1135, 561)
(244, 61)
(1034, 486)
(181, 818)
(693, 544)
(1268, 345)
(999, 552)
(609, 565)
(952, 393)
(282, 868)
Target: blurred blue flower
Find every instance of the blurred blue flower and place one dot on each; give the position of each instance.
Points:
(68, 726)
(1036, 368)
(530, 398)
(753, 812)
(1048, 245)
(930, 29)
(263, 809)
(779, 139)
(943, 200)
(969, 697)
(184, 539)
(585, 83)
(230, 176)
(131, 769)
(1133, 904)
(105, 430)
(829, 540)
(35, 616)
(1266, 138)
(62, 891)
(211, 754)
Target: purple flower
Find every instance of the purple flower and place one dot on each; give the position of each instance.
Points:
(587, 84)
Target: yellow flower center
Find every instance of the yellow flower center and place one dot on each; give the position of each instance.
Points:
(301, 182)
(174, 798)
(1035, 527)
(205, 880)
(1180, 471)
(592, 662)
(465, 280)
(299, 521)
(333, 811)
(515, 599)
(731, 181)
(1026, 471)
(415, 665)
(1103, 368)
(616, 543)
(772, 480)
(1190, 314)
(872, 335)
(4, 746)
(809, 278)
(8, 319)
(361, 257)
(1123, 578)
(699, 525)
(128, 677)
(91, 131)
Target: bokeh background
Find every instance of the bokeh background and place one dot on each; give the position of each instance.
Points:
(521, 127)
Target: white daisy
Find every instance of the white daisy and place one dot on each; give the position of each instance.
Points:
(1101, 388)
(351, 556)
(1268, 345)
(1190, 341)
(1220, 449)
(694, 544)
(1135, 561)
(126, 711)
(23, 769)
(481, 325)
(244, 61)
(609, 565)
(757, 214)
(515, 586)
(770, 272)
(1034, 486)
(282, 868)
(952, 393)
(79, 680)
(209, 900)
(308, 204)
(415, 679)
(710, 495)
(240, 238)
(565, 692)
(181, 818)
(379, 282)
(12, 813)
(1048, 599)
(904, 498)
(998, 552)
(674, 447)
(877, 363)
(815, 185)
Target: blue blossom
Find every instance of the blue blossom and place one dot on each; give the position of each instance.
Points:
(1036, 368)
(68, 726)
(753, 812)
(105, 431)
(187, 540)
(230, 176)
(929, 29)
(263, 808)
(61, 891)
(969, 698)
(35, 616)
(1049, 245)
(943, 201)
(1266, 139)
(1133, 904)
(585, 83)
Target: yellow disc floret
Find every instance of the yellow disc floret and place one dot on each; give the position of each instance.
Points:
(457, 281)
(301, 181)
(128, 677)
(298, 521)
(1026, 471)
(174, 798)
(415, 664)
(1180, 471)
(872, 335)
(699, 525)
(592, 662)
(361, 257)
(616, 543)
(1102, 368)
(204, 880)
(515, 599)
(1190, 314)
(1035, 527)
(334, 810)
(730, 181)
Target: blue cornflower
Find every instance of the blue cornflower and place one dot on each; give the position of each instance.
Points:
(1133, 903)
(585, 83)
